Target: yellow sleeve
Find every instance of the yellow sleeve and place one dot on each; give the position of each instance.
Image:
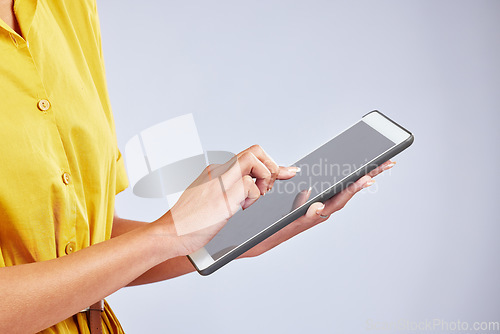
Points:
(121, 174)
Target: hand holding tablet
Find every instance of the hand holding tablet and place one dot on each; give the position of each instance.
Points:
(219, 233)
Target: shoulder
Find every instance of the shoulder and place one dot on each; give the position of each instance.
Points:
(74, 11)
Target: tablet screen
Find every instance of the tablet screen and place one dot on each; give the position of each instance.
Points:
(320, 170)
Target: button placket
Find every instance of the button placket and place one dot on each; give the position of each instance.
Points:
(68, 233)
(14, 39)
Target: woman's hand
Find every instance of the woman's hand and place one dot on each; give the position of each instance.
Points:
(317, 212)
(218, 193)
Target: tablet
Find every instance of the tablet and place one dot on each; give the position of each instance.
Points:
(325, 171)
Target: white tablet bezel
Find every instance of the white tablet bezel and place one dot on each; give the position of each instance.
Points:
(202, 259)
(385, 127)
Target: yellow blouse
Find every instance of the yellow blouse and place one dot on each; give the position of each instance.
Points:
(60, 166)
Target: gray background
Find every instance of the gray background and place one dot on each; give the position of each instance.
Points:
(420, 244)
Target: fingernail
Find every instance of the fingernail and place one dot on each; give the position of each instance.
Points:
(294, 169)
(369, 183)
(318, 211)
(389, 166)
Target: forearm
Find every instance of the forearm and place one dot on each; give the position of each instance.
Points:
(180, 265)
(37, 295)
(168, 269)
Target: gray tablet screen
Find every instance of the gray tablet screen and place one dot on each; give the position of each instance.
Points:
(320, 170)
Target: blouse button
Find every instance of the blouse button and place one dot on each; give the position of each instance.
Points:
(66, 178)
(43, 105)
(70, 247)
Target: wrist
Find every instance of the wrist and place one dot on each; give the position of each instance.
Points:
(168, 242)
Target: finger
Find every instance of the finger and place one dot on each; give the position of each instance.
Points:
(301, 198)
(252, 192)
(248, 164)
(338, 201)
(242, 194)
(314, 211)
(383, 167)
(274, 169)
(260, 154)
(286, 173)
